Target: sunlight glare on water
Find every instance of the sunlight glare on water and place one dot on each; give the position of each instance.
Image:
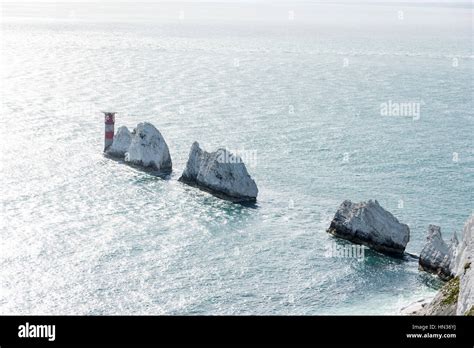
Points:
(83, 234)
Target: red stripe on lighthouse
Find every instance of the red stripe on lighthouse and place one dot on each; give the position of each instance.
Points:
(109, 129)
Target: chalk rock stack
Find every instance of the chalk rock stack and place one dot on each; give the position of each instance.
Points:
(369, 224)
(220, 173)
(144, 146)
(437, 257)
(149, 149)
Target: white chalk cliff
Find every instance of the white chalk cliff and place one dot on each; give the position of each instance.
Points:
(148, 148)
(369, 224)
(456, 297)
(121, 143)
(220, 173)
(465, 269)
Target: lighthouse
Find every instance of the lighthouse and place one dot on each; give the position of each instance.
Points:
(109, 129)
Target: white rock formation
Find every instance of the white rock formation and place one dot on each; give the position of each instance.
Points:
(369, 224)
(456, 297)
(220, 173)
(149, 149)
(121, 143)
(465, 269)
(437, 257)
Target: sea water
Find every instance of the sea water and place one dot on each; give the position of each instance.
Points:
(327, 101)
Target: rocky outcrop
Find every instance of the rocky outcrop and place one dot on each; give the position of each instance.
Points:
(369, 224)
(437, 257)
(121, 143)
(445, 301)
(220, 173)
(148, 149)
(456, 297)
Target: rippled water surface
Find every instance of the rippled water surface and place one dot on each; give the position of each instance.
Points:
(82, 234)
